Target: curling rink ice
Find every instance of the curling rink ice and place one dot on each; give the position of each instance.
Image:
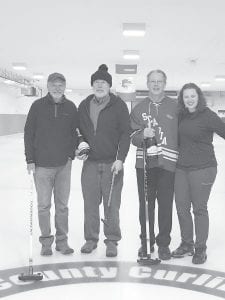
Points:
(93, 276)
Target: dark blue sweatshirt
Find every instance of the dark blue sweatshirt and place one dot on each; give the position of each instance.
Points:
(196, 131)
(50, 136)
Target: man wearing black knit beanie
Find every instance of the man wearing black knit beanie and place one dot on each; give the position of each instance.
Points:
(104, 125)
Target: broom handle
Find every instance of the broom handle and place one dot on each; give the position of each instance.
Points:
(147, 229)
(31, 222)
(111, 189)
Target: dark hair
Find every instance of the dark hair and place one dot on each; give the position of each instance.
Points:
(157, 71)
(182, 110)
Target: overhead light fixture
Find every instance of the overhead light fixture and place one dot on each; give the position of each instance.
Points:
(8, 81)
(220, 78)
(205, 84)
(131, 54)
(38, 76)
(19, 66)
(134, 29)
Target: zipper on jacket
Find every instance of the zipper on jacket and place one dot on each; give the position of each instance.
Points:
(56, 111)
(157, 107)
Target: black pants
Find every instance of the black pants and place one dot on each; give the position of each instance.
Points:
(160, 187)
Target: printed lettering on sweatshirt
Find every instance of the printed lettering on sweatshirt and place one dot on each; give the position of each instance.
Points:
(155, 125)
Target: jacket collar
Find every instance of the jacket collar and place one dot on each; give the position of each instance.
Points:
(51, 100)
(111, 101)
(157, 102)
(101, 101)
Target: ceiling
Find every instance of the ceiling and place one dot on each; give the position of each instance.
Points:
(184, 38)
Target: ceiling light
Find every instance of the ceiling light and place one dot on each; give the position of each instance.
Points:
(19, 66)
(220, 78)
(134, 29)
(38, 76)
(7, 81)
(131, 54)
(205, 84)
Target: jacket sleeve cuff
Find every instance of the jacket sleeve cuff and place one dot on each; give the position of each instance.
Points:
(72, 155)
(121, 157)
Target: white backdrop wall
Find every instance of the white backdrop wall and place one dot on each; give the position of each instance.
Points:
(13, 109)
(12, 102)
(215, 100)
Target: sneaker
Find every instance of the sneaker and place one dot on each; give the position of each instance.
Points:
(46, 250)
(164, 253)
(88, 247)
(111, 249)
(200, 256)
(141, 252)
(183, 250)
(64, 249)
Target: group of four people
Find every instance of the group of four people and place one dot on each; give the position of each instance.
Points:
(184, 161)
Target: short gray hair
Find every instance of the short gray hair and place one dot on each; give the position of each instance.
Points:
(157, 71)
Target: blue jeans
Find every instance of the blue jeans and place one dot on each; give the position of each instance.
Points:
(57, 181)
(192, 189)
(96, 181)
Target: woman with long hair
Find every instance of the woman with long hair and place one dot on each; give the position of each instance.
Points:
(196, 170)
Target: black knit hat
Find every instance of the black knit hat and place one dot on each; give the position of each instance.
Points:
(102, 74)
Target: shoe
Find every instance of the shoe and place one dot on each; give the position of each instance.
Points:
(164, 253)
(141, 252)
(46, 250)
(46, 243)
(111, 249)
(64, 249)
(88, 247)
(183, 250)
(200, 256)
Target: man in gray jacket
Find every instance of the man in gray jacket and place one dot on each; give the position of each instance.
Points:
(50, 140)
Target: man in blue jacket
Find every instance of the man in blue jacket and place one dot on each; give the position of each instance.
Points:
(50, 141)
(104, 125)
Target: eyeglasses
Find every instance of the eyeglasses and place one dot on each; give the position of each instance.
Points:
(156, 81)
